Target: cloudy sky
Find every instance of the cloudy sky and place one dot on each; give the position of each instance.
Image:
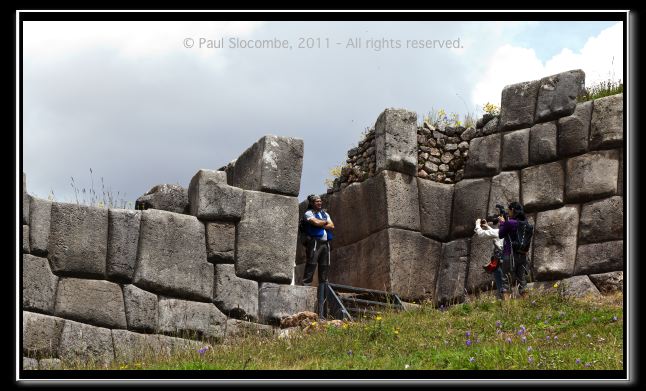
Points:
(132, 102)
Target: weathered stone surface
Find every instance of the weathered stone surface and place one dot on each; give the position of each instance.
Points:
(123, 238)
(515, 149)
(25, 200)
(95, 302)
(599, 257)
(542, 143)
(299, 270)
(574, 130)
(435, 206)
(29, 364)
(402, 200)
(468, 134)
(395, 260)
(38, 284)
(579, 286)
(452, 274)
(518, 103)
(141, 308)
(85, 344)
(272, 164)
(491, 127)
(220, 242)
(211, 198)
(25, 239)
(172, 256)
(173, 346)
(554, 240)
(276, 301)
(233, 295)
(480, 252)
(505, 188)
(602, 220)
(181, 317)
(50, 364)
(470, 202)
(590, 176)
(39, 224)
(484, 157)
(396, 141)
(41, 334)
(620, 175)
(171, 198)
(266, 238)
(607, 125)
(608, 282)
(132, 347)
(557, 94)
(542, 186)
(78, 240)
(236, 328)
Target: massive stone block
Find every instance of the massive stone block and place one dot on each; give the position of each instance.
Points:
(123, 238)
(515, 149)
(171, 198)
(50, 364)
(396, 141)
(602, 220)
(85, 344)
(484, 156)
(41, 334)
(452, 274)
(233, 295)
(542, 186)
(542, 143)
(554, 244)
(39, 224)
(517, 106)
(38, 284)
(25, 200)
(400, 261)
(607, 126)
(173, 346)
(190, 318)
(579, 286)
(470, 201)
(29, 364)
(435, 206)
(220, 242)
(480, 252)
(608, 282)
(273, 164)
(591, 176)
(402, 200)
(171, 259)
(599, 257)
(266, 237)
(277, 301)
(141, 308)
(505, 188)
(130, 347)
(25, 239)
(78, 240)
(574, 131)
(95, 302)
(236, 328)
(211, 198)
(557, 94)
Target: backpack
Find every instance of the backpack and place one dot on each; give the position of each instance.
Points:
(524, 234)
(302, 229)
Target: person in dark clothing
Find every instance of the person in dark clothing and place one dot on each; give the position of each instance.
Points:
(319, 234)
(514, 263)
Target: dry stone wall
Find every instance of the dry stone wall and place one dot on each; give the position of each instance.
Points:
(563, 160)
(189, 267)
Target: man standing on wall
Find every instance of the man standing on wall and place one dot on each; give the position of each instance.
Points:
(319, 233)
(514, 261)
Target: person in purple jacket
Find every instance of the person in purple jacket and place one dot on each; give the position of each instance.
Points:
(513, 263)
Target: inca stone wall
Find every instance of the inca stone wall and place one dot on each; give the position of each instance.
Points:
(188, 267)
(412, 231)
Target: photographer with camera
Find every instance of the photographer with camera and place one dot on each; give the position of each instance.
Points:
(516, 233)
(483, 230)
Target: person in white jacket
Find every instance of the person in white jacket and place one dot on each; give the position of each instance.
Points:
(483, 230)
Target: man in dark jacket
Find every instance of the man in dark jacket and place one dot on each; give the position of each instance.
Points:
(513, 262)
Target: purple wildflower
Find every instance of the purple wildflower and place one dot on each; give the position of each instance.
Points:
(614, 318)
(498, 331)
(556, 337)
(578, 361)
(508, 340)
(468, 333)
(545, 321)
(472, 359)
(498, 323)
(529, 349)
(522, 328)
(349, 352)
(203, 350)
(530, 359)
(587, 364)
(523, 339)
(468, 342)
(547, 338)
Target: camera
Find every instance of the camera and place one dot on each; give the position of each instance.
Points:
(502, 212)
(493, 219)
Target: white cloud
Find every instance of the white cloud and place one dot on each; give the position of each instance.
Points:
(600, 58)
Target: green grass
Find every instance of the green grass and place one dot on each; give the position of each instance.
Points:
(602, 89)
(429, 338)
